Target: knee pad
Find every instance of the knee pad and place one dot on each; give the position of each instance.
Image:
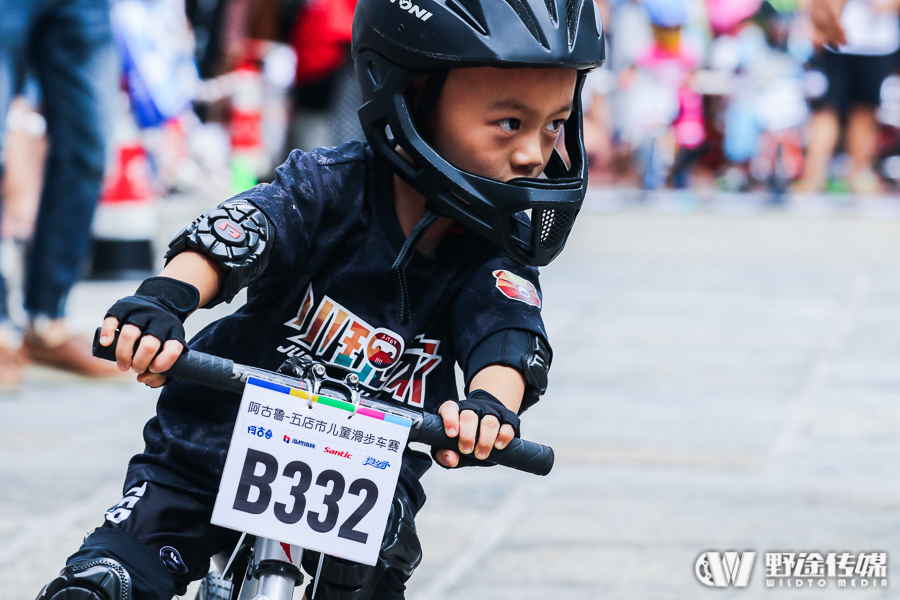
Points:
(400, 554)
(98, 579)
(112, 565)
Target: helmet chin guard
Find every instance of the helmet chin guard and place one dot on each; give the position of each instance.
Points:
(529, 218)
(496, 210)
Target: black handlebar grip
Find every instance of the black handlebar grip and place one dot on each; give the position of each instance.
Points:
(105, 352)
(193, 366)
(520, 454)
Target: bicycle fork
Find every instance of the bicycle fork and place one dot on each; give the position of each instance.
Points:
(273, 572)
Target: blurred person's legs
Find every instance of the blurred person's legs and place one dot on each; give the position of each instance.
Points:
(71, 49)
(854, 91)
(14, 26)
(862, 140)
(862, 127)
(824, 130)
(825, 120)
(24, 150)
(24, 153)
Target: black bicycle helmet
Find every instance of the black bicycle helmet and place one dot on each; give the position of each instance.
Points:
(394, 40)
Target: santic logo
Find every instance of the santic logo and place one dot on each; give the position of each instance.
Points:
(340, 453)
(413, 9)
(721, 569)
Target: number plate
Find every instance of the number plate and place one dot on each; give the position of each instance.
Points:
(308, 470)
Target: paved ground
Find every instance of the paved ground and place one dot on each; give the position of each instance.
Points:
(719, 383)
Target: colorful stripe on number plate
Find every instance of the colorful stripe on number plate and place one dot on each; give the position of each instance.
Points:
(348, 406)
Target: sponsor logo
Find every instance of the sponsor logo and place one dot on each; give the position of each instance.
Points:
(373, 462)
(172, 559)
(380, 357)
(298, 442)
(412, 9)
(721, 569)
(259, 431)
(384, 348)
(228, 231)
(517, 288)
(340, 453)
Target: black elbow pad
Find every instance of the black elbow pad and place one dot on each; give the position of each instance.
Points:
(523, 350)
(235, 234)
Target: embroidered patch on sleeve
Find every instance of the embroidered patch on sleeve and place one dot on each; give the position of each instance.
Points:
(517, 288)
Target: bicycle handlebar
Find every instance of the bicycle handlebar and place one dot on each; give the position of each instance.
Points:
(224, 374)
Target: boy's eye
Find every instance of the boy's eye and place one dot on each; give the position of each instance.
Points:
(555, 125)
(510, 124)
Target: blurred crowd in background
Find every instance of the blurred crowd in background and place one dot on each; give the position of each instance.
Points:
(739, 95)
(731, 94)
(112, 107)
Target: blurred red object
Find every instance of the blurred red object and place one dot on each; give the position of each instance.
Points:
(129, 180)
(321, 38)
(247, 106)
(127, 218)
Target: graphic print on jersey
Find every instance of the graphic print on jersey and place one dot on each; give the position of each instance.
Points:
(379, 356)
(517, 288)
(122, 510)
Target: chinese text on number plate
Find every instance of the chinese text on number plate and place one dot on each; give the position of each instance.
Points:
(309, 470)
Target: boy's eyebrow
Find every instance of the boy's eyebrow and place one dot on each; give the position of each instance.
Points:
(513, 104)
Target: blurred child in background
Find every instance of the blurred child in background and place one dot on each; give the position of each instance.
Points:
(671, 112)
(766, 108)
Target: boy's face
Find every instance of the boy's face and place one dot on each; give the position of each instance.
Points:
(501, 123)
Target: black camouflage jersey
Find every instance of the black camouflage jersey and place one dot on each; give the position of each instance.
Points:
(329, 291)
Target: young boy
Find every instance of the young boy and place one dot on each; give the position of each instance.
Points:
(419, 237)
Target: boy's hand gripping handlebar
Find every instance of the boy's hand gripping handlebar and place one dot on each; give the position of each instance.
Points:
(224, 374)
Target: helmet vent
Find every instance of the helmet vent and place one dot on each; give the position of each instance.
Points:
(471, 14)
(555, 225)
(573, 12)
(551, 8)
(527, 17)
(374, 73)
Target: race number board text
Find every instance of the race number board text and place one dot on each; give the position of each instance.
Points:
(310, 470)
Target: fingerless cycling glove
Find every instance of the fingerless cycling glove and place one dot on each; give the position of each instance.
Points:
(482, 403)
(158, 308)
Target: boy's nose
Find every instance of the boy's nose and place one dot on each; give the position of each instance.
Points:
(528, 157)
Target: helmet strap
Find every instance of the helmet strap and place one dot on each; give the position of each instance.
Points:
(406, 254)
(429, 97)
